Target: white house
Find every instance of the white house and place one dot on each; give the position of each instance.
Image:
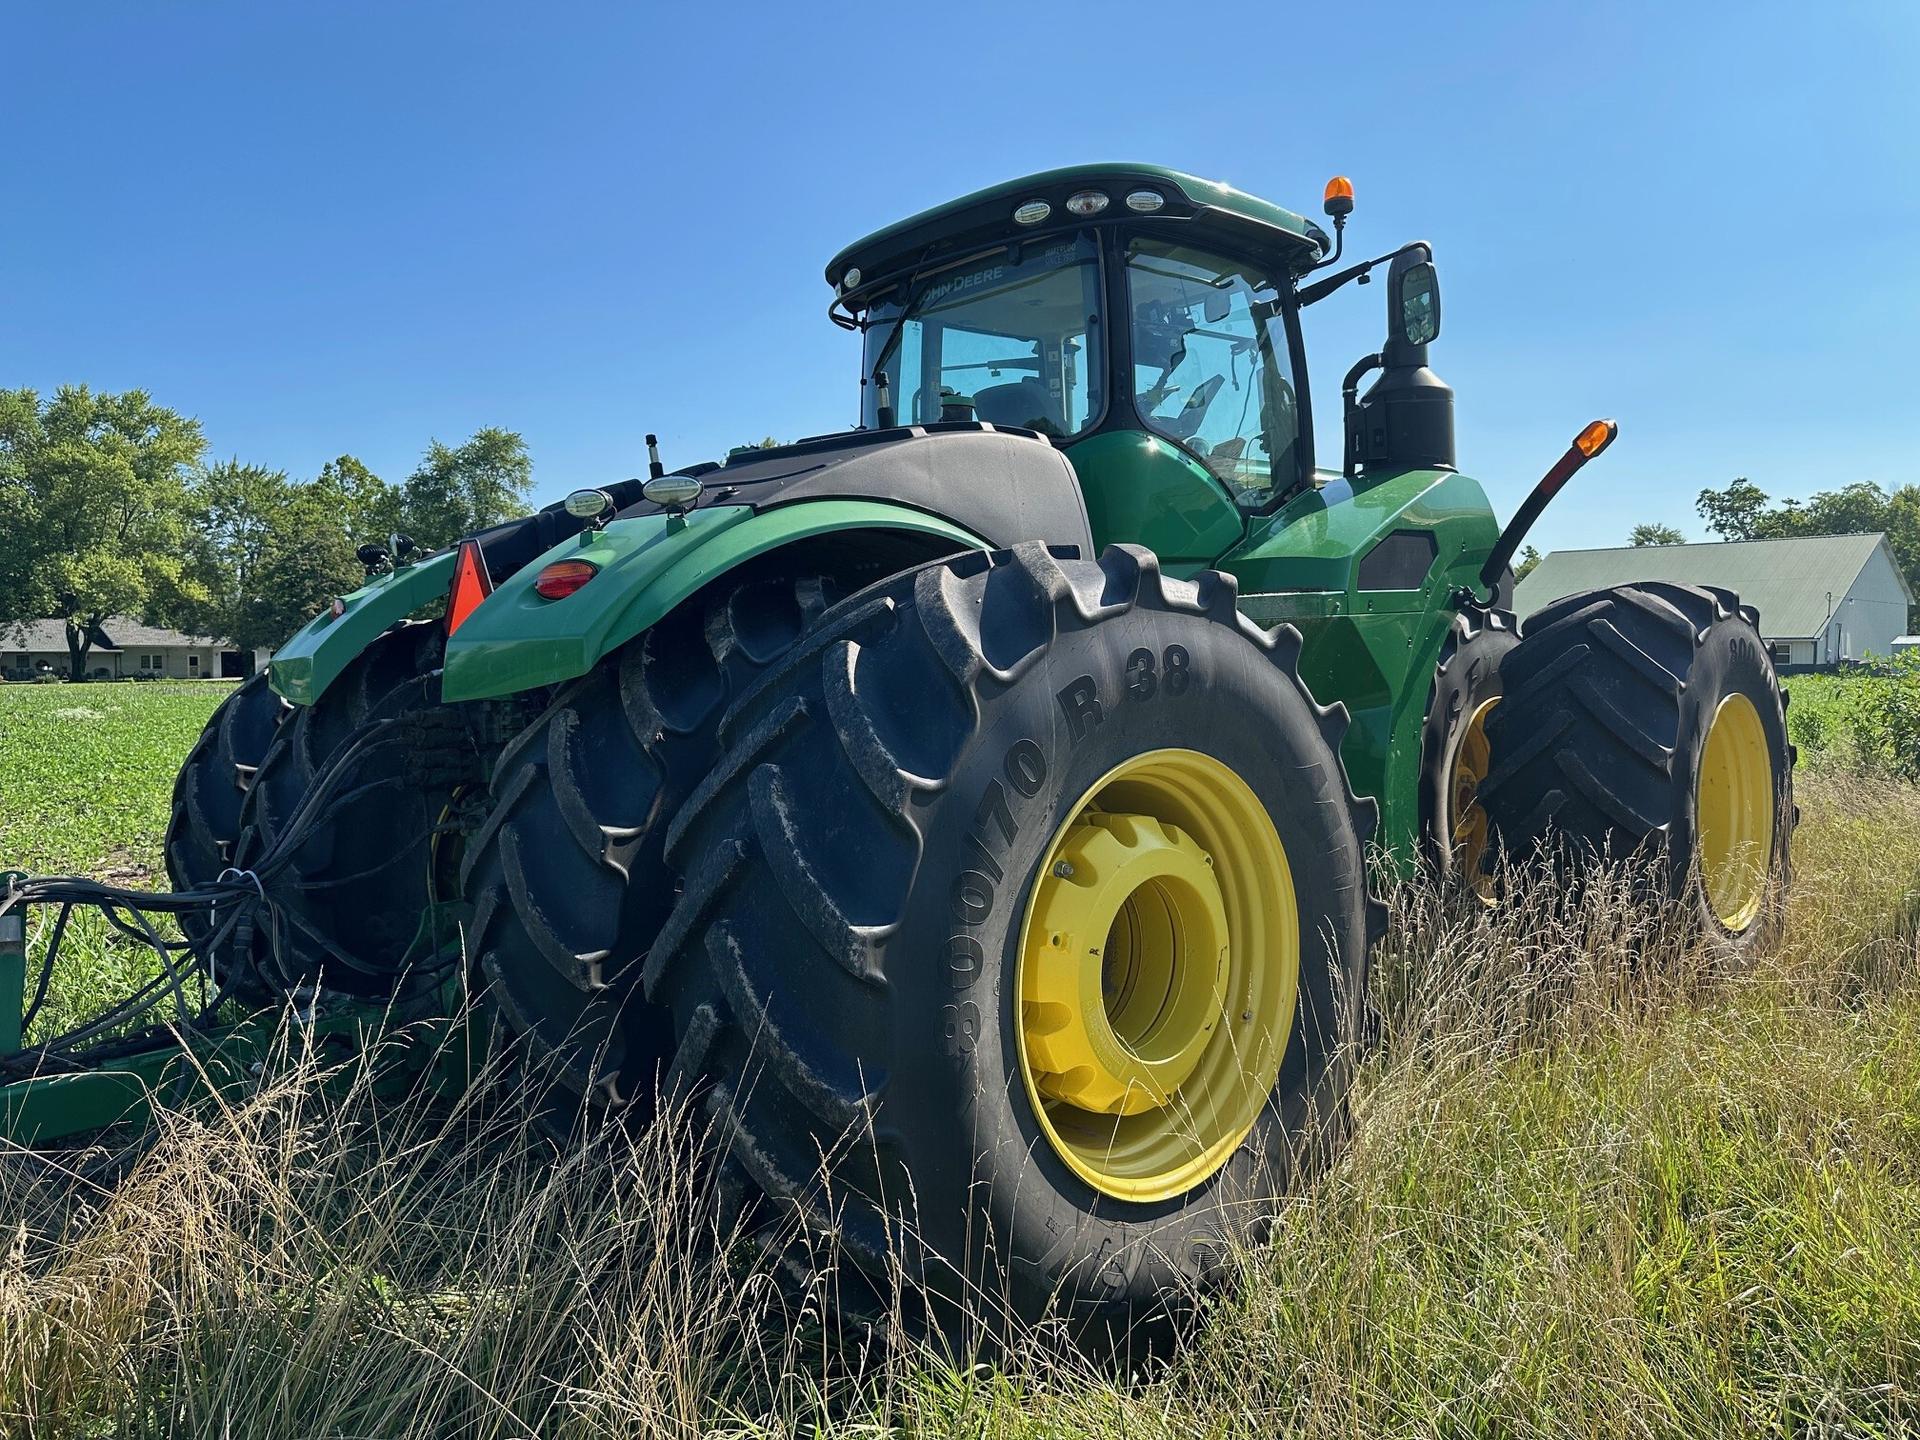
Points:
(1823, 599)
(121, 648)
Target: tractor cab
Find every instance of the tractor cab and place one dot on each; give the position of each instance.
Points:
(1144, 321)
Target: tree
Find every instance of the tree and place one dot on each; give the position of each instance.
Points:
(1529, 560)
(371, 506)
(308, 559)
(268, 552)
(1741, 512)
(1735, 513)
(95, 490)
(457, 490)
(1654, 533)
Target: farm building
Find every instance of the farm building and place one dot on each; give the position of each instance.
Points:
(122, 649)
(1824, 600)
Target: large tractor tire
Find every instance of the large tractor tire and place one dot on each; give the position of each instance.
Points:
(358, 885)
(1649, 717)
(1023, 939)
(1455, 752)
(566, 878)
(203, 829)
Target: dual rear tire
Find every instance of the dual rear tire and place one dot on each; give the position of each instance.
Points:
(1646, 720)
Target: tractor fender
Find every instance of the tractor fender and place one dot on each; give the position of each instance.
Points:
(307, 664)
(647, 564)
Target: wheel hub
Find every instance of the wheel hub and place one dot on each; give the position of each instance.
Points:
(1158, 974)
(1467, 828)
(1128, 976)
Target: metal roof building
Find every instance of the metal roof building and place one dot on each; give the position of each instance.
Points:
(1823, 599)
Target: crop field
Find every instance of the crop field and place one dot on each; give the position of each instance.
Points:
(1602, 1184)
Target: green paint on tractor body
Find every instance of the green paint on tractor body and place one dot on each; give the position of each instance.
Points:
(517, 641)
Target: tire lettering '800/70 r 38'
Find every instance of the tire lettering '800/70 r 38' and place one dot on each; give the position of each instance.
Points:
(995, 826)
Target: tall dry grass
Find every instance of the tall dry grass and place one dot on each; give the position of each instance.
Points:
(1602, 1183)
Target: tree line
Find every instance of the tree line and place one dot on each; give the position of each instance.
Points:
(110, 506)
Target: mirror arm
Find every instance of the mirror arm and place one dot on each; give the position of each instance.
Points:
(1320, 289)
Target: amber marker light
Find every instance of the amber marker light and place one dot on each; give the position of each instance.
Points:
(563, 577)
(1338, 199)
(1595, 438)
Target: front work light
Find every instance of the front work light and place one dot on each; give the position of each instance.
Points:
(1087, 202)
(673, 492)
(563, 577)
(588, 504)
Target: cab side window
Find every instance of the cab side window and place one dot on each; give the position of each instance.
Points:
(1211, 369)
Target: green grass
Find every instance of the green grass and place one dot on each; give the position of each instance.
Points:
(86, 778)
(86, 772)
(1602, 1185)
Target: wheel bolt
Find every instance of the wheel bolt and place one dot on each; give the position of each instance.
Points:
(1063, 868)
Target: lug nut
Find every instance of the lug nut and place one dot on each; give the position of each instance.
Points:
(1064, 869)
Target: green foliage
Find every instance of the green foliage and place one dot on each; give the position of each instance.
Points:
(94, 487)
(1867, 718)
(1529, 559)
(460, 489)
(1743, 511)
(1735, 512)
(268, 552)
(1653, 533)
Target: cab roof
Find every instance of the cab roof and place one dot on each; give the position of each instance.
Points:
(986, 214)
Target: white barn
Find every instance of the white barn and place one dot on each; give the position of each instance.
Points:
(1824, 600)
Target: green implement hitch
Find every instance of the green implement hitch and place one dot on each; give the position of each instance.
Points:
(46, 1100)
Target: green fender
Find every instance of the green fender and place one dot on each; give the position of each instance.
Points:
(307, 664)
(648, 564)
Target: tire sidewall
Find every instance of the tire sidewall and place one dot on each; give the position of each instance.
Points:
(955, 1048)
(1466, 680)
(1729, 660)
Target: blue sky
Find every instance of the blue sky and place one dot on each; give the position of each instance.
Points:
(353, 227)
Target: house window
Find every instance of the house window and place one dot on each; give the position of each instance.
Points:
(155, 663)
(1782, 653)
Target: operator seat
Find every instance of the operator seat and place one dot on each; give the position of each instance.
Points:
(1024, 402)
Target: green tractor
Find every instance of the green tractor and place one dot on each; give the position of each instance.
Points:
(969, 814)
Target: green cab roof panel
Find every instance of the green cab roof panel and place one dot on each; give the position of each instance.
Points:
(975, 217)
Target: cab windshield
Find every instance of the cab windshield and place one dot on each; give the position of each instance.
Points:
(1011, 338)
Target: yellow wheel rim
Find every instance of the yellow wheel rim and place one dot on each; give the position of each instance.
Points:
(1467, 828)
(1734, 810)
(1158, 970)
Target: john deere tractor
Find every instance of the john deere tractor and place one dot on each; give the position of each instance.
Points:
(969, 814)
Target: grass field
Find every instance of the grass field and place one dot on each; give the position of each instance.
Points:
(1602, 1186)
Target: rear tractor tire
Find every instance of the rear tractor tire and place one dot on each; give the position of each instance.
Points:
(1022, 943)
(1455, 751)
(203, 828)
(566, 879)
(359, 885)
(1648, 718)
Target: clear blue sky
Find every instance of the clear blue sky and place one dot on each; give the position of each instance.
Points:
(332, 228)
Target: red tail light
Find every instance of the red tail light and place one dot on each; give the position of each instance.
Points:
(563, 577)
(471, 585)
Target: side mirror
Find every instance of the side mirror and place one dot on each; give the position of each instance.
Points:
(1416, 304)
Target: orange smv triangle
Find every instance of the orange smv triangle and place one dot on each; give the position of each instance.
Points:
(471, 585)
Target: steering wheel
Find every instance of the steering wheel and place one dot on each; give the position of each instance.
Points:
(1195, 410)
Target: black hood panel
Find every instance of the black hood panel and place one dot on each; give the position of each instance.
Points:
(1004, 485)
